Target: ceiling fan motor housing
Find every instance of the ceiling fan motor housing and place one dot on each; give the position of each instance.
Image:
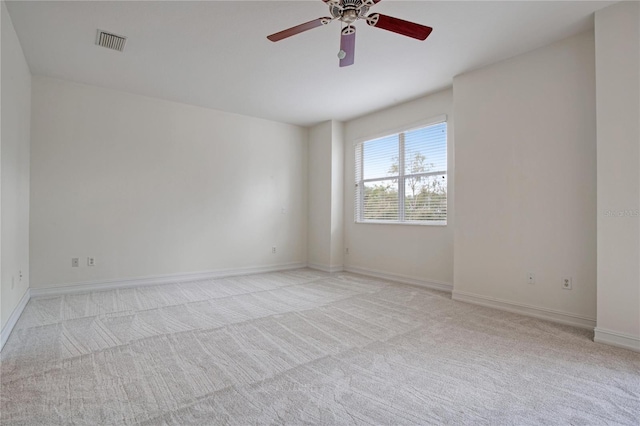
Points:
(348, 11)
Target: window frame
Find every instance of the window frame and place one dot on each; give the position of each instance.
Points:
(401, 177)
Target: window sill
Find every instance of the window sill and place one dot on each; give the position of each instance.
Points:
(385, 222)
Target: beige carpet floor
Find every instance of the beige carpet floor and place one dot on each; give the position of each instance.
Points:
(304, 347)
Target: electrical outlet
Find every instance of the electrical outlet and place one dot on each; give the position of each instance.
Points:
(20, 276)
(91, 261)
(346, 251)
(531, 278)
(75, 262)
(273, 250)
(567, 283)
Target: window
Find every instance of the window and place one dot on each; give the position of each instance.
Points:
(402, 178)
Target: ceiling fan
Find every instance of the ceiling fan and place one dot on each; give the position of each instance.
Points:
(349, 11)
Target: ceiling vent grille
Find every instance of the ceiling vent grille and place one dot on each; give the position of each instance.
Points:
(110, 40)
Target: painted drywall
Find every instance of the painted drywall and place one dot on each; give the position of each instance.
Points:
(151, 187)
(14, 150)
(337, 195)
(415, 253)
(319, 221)
(617, 30)
(526, 180)
(326, 194)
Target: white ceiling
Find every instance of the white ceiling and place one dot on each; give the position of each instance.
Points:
(215, 53)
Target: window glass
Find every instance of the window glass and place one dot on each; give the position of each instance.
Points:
(402, 178)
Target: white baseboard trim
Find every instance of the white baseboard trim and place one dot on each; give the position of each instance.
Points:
(615, 338)
(435, 285)
(13, 318)
(326, 268)
(527, 310)
(84, 287)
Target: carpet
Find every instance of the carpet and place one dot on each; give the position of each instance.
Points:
(304, 347)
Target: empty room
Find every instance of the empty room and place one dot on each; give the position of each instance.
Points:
(332, 212)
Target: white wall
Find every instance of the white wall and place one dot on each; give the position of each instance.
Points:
(319, 222)
(618, 106)
(326, 180)
(151, 187)
(14, 150)
(526, 182)
(337, 195)
(415, 253)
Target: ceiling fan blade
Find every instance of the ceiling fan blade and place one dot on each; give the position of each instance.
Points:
(299, 29)
(399, 26)
(347, 46)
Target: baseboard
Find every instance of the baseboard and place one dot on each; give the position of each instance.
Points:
(618, 339)
(84, 287)
(527, 310)
(13, 318)
(435, 285)
(326, 268)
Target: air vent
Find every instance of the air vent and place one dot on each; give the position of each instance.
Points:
(110, 41)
